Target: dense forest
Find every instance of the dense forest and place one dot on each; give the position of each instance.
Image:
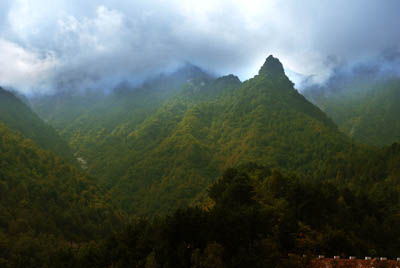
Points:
(15, 114)
(46, 203)
(204, 127)
(260, 217)
(190, 170)
(364, 107)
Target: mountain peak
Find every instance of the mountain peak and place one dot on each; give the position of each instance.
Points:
(272, 66)
(191, 71)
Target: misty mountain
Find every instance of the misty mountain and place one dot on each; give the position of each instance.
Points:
(102, 107)
(37, 181)
(256, 158)
(364, 105)
(154, 134)
(16, 115)
(158, 149)
(45, 202)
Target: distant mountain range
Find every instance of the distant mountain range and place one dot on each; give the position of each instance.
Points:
(159, 146)
(365, 108)
(246, 172)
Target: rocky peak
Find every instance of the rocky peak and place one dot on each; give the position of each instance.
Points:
(272, 66)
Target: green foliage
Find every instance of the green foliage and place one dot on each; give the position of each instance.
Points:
(18, 116)
(289, 215)
(365, 109)
(46, 202)
(157, 151)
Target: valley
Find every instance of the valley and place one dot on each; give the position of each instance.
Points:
(168, 171)
(189, 135)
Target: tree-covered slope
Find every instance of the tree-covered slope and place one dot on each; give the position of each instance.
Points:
(17, 115)
(364, 108)
(264, 217)
(159, 158)
(41, 193)
(97, 110)
(177, 152)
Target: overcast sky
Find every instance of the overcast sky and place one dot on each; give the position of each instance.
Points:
(47, 44)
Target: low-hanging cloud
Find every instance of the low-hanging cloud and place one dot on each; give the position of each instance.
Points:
(46, 45)
(23, 68)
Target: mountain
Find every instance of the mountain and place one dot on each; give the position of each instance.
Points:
(155, 154)
(45, 203)
(125, 102)
(263, 217)
(219, 156)
(179, 151)
(18, 116)
(365, 108)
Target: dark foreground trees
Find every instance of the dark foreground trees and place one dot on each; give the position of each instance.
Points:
(259, 218)
(256, 217)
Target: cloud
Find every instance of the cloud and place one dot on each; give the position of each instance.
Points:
(79, 44)
(23, 68)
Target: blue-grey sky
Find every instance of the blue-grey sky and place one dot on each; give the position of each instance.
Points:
(45, 44)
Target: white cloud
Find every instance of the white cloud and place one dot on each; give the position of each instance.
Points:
(24, 69)
(96, 43)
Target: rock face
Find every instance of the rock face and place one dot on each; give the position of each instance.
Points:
(356, 263)
(272, 66)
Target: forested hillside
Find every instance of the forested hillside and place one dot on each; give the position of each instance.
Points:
(193, 171)
(94, 110)
(365, 108)
(17, 115)
(158, 153)
(264, 217)
(159, 134)
(45, 202)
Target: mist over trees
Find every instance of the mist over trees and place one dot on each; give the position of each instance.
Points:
(190, 170)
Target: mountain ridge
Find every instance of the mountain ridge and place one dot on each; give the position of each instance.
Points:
(365, 108)
(166, 158)
(18, 116)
